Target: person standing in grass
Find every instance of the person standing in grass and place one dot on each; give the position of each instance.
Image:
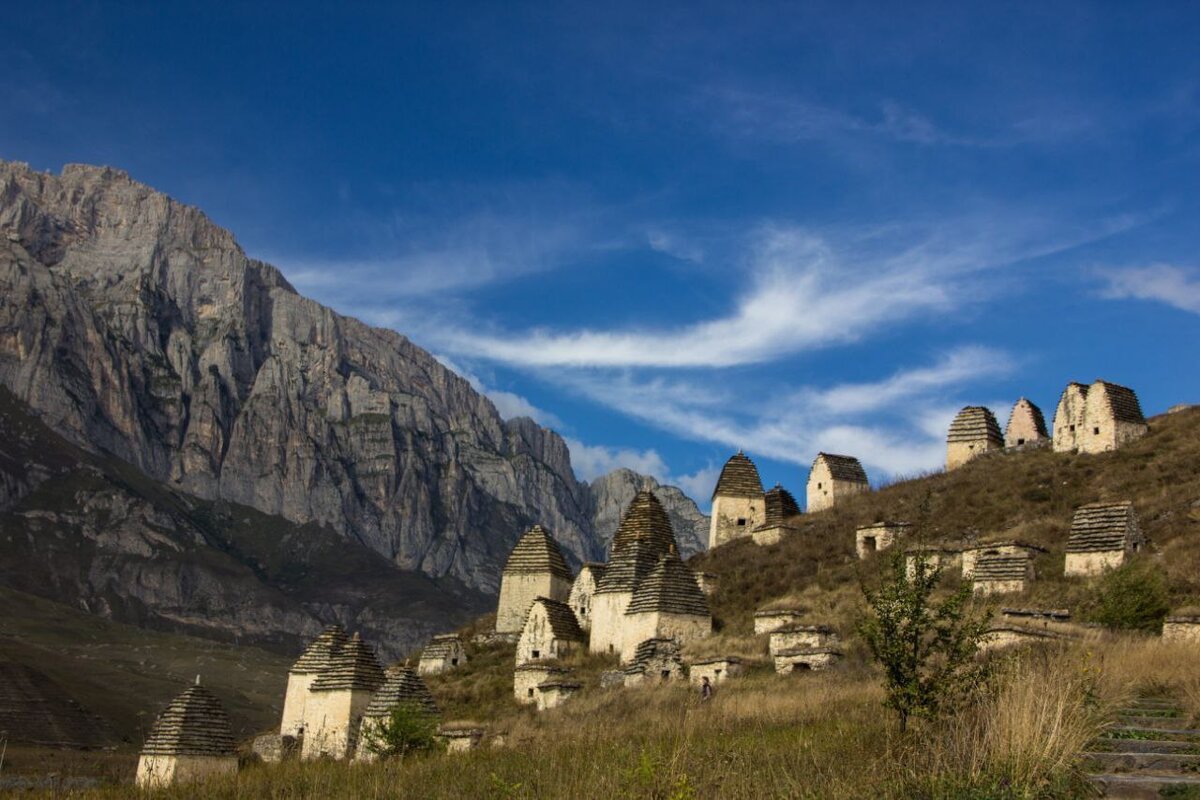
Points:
(706, 689)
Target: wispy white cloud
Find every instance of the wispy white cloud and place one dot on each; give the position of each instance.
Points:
(896, 426)
(699, 484)
(674, 245)
(592, 461)
(1163, 283)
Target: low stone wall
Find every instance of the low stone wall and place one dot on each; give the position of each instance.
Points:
(716, 671)
(796, 637)
(1181, 629)
(806, 660)
(767, 621)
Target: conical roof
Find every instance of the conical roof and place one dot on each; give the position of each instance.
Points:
(643, 537)
(353, 667)
(779, 506)
(645, 519)
(1027, 412)
(402, 685)
(536, 551)
(975, 423)
(563, 623)
(670, 588)
(739, 478)
(320, 651)
(194, 724)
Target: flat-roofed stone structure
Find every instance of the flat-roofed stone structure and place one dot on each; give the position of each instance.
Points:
(1043, 616)
(655, 661)
(1112, 419)
(972, 554)
(535, 568)
(460, 740)
(1182, 628)
(1026, 426)
(551, 631)
(799, 637)
(642, 539)
(527, 677)
(1102, 536)
(779, 511)
(717, 669)
(1001, 573)
(1069, 418)
(772, 619)
(313, 661)
(582, 591)
(833, 478)
(878, 536)
(667, 604)
(945, 557)
(191, 741)
(443, 653)
(973, 432)
(806, 659)
(553, 692)
(402, 686)
(1003, 637)
(737, 501)
(337, 700)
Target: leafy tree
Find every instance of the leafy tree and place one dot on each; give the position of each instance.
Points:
(926, 646)
(409, 728)
(1133, 596)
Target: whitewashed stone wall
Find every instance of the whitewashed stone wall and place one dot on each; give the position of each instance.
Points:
(608, 618)
(733, 518)
(332, 720)
(517, 593)
(526, 679)
(294, 700)
(661, 625)
(824, 492)
(1181, 629)
(799, 637)
(1084, 564)
(154, 772)
(767, 621)
(716, 671)
(1069, 419)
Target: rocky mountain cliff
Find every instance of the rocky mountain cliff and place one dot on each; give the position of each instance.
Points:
(136, 327)
(611, 494)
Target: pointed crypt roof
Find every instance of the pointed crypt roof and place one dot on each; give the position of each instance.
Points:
(670, 588)
(643, 537)
(354, 667)
(193, 724)
(739, 478)
(401, 685)
(975, 423)
(536, 551)
(444, 646)
(320, 651)
(779, 506)
(1025, 407)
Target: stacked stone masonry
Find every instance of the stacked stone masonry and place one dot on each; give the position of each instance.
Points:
(551, 631)
(337, 700)
(1002, 573)
(1097, 418)
(443, 653)
(1026, 426)
(737, 501)
(655, 661)
(191, 741)
(806, 659)
(1102, 536)
(1009, 547)
(527, 678)
(972, 433)
(833, 478)
(779, 511)
(768, 620)
(535, 568)
(799, 637)
(582, 591)
(1181, 629)
(870, 539)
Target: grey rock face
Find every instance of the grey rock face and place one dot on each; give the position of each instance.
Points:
(612, 493)
(135, 326)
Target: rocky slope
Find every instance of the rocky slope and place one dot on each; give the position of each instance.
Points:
(135, 326)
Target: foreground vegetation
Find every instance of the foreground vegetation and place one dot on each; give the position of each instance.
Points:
(818, 735)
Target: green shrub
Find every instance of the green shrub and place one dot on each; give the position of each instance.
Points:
(1132, 597)
(409, 728)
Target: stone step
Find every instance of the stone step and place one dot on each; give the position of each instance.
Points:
(1137, 711)
(1131, 761)
(1111, 745)
(1142, 732)
(1172, 723)
(1142, 787)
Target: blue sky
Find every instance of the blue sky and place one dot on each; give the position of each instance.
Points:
(672, 233)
